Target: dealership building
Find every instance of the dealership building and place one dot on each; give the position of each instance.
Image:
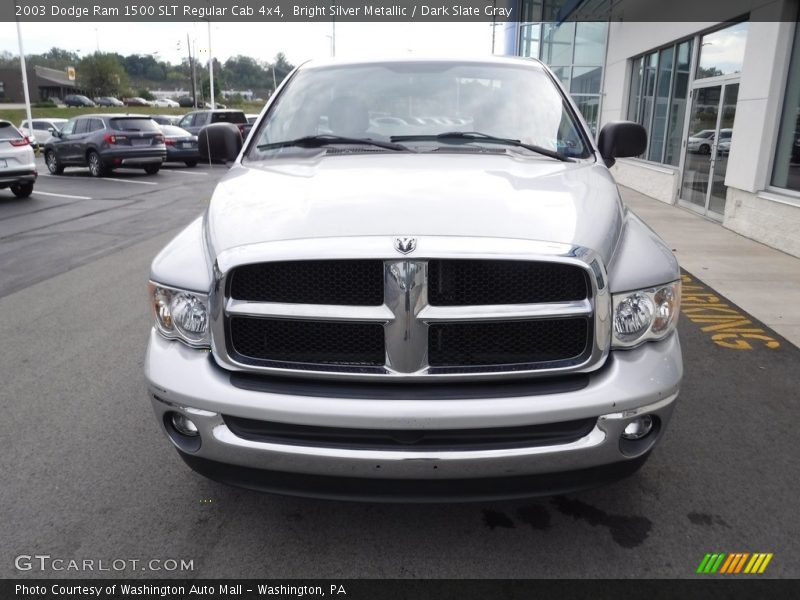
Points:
(720, 100)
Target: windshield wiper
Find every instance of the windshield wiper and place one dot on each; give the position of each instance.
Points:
(476, 136)
(317, 141)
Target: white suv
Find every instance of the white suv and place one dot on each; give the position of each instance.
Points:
(17, 163)
(43, 128)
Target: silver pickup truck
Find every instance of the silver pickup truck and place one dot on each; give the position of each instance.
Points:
(416, 282)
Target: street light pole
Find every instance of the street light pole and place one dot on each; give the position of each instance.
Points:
(24, 78)
(211, 69)
(191, 66)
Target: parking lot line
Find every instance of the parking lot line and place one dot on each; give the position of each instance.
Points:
(127, 181)
(100, 179)
(40, 193)
(186, 173)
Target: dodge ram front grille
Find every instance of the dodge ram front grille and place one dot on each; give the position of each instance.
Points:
(339, 282)
(506, 342)
(307, 341)
(426, 318)
(478, 282)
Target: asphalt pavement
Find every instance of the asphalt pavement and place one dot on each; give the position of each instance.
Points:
(87, 474)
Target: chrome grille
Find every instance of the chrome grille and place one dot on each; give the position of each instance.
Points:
(475, 317)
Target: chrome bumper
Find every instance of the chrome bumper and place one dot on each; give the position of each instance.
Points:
(646, 379)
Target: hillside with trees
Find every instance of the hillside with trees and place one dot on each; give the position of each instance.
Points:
(112, 74)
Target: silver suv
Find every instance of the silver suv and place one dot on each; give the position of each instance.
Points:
(379, 304)
(17, 161)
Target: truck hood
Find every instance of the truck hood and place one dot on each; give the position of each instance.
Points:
(477, 195)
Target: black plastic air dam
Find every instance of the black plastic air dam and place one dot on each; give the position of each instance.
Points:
(382, 390)
(412, 490)
(411, 440)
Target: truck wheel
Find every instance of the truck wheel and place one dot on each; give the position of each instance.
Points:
(152, 169)
(53, 165)
(95, 164)
(22, 190)
(191, 163)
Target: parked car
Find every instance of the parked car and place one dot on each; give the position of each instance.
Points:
(104, 142)
(181, 145)
(17, 162)
(137, 101)
(701, 141)
(41, 130)
(194, 121)
(164, 103)
(724, 142)
(448, 312)
(77, 100)
(166, 119)
(108, 101)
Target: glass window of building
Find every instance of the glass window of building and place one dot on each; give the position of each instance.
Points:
(722, 52)
(657, 99)
(574, 51)
(786, 171)
(557, 43)
(590, 43)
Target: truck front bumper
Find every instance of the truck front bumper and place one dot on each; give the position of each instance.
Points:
(631, 384)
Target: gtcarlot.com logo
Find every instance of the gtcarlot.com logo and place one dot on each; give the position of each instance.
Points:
(45, 562)
(737, 563)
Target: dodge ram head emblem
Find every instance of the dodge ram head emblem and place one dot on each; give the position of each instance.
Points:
(405, 245)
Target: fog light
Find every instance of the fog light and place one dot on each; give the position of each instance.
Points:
(184, 425)
(638, 428)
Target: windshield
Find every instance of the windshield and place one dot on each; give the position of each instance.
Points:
(133, 124)
(228, 117)
(9, 132)
(173, 131)
(392, 100)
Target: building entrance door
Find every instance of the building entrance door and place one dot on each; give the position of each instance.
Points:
(707, 148)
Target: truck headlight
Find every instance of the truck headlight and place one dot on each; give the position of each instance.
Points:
(643, 315)
(180, 314)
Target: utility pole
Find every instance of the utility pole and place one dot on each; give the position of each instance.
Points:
(494, 24)
(24, 78)
(211, 69)
(191, 66)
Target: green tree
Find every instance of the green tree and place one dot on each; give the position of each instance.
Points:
(101, 75)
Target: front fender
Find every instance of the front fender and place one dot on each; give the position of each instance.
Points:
(184, 262)
(642, 259)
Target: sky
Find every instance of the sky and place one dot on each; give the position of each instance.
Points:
(299, 41)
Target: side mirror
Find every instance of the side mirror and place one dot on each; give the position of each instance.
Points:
(620, 139)
(219, 142)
